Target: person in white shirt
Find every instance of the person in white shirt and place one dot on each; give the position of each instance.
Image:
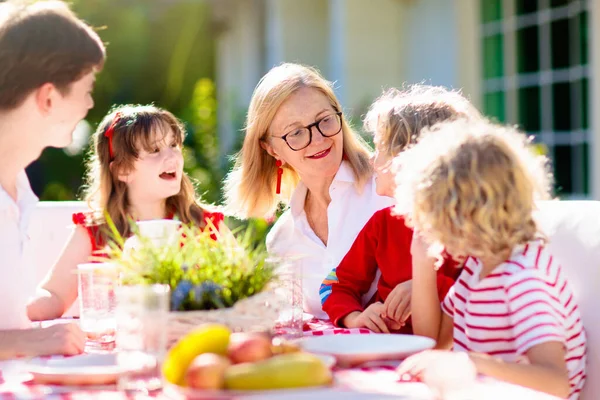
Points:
(48, 62)
(299, 149)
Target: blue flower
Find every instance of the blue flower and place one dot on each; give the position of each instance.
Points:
(210, 290)
(180, 293)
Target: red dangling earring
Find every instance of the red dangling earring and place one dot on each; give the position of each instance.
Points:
(279, 173)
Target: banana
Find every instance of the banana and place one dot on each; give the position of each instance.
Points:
(291, 370)
(210, 338)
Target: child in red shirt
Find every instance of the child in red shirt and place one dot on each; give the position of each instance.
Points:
(383, 246)
(136, 172)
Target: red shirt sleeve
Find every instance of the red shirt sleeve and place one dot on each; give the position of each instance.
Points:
(342, 291)
(92, 230)
(216, 218)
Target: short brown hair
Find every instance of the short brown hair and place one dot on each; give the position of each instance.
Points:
(398, 116)
(43, 42)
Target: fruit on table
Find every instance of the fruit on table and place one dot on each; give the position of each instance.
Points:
(249, 347)
(283, 371)
(207, 371)
(282, 346)
(210, 338)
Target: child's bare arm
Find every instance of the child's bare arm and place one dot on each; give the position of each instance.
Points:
(445, 338)
(64, 339)
(58, 291)
(428, 319)
(547, 371)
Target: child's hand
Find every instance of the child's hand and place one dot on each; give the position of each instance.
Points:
(439, 369)
(65, 339)
(372, 318)
(397, 304)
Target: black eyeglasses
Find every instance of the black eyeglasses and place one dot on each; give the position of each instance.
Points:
(300, 138)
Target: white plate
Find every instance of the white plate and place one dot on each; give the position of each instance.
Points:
(357, 349)
(328, 360)
(85, 369)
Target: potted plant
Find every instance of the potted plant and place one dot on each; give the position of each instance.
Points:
(227, 280)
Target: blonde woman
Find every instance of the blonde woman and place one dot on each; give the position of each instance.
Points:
(300, 150)
(472, 188)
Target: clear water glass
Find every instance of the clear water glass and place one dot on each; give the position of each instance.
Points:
(142, 315)
(97, 304)
(289, 289)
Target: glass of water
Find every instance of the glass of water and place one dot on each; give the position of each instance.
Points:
(97, 303)
(289, 288)
(142, 314)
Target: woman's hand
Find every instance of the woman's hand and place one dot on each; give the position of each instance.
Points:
(397, 305)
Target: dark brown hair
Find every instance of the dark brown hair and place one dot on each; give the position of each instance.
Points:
(43, 42)
(135, 129)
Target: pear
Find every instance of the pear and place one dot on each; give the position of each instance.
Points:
(291, 370)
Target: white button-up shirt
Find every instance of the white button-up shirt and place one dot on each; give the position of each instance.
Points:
(17, 277)
(348, 212)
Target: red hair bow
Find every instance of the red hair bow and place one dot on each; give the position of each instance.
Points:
(109, 134)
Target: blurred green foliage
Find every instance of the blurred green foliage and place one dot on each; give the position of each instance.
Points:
(159, 52)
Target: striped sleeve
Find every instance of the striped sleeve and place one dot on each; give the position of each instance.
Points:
(534, 309)
(325, 289)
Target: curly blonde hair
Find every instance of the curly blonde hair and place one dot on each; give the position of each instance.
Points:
(471, 187)
(397, 117)
(250, 186)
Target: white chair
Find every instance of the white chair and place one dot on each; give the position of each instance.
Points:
(573, 228)
(49, 230)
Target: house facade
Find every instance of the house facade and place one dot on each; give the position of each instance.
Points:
(525, 62)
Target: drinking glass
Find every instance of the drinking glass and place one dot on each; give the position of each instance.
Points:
(142, 313)
(289, 286)
(96, 287)
(161, 231)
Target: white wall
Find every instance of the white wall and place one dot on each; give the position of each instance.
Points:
(296, 31)
(365, 46)
(431, 36)
(375, 50)
(240, 62)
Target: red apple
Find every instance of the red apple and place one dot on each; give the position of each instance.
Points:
(249, 347)
(207, 371)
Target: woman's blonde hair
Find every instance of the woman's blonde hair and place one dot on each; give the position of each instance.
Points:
(471, 186)
(250, 186)
(136, 128)
(398, 116)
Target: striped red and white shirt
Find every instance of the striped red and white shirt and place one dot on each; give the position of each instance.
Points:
(524, 302)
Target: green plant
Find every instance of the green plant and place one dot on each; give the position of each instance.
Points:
(203, 273)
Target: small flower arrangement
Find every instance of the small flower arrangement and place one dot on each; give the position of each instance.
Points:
(203, 273)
